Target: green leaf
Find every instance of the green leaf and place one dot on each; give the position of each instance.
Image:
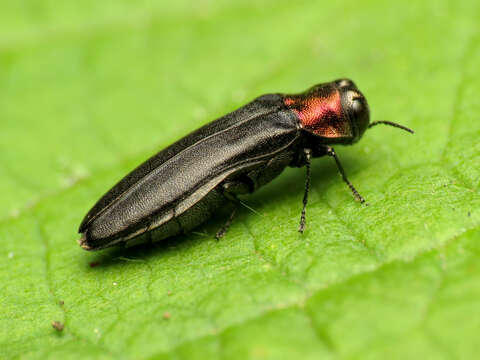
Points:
(88, 90)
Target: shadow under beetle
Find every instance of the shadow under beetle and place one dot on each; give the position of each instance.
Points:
(183, 185)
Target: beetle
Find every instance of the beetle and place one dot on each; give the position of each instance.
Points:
(185, 184)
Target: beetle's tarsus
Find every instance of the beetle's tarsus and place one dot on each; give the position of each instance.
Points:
(357, 196)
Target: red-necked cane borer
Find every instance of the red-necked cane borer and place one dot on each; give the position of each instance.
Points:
(184, 184)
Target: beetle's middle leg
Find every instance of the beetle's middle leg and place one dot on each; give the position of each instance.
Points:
(308, 156)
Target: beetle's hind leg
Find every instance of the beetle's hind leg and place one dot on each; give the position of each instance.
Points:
(223, 230)
(229, 189)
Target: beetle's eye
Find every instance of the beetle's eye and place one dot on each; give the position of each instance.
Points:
(357, 106)
(359, 113)
(345, 83)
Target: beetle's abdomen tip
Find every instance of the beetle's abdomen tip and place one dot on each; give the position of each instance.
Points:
(83, 243)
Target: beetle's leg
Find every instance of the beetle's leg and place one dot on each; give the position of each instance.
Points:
(308, 156)
(229, 190)
(223, 230)
(356, 194)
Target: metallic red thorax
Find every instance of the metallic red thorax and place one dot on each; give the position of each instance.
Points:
(319, 111)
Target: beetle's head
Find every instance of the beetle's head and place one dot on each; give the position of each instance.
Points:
(335, 112)
(354, 108)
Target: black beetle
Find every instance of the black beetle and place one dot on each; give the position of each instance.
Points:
(183, 185)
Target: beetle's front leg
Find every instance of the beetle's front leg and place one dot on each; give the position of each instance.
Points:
(331, 152)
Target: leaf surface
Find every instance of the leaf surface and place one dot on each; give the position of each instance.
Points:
(88, 90)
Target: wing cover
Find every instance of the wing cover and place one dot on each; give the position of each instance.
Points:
(200, 161)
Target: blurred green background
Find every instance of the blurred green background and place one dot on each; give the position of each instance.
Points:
(90, 89)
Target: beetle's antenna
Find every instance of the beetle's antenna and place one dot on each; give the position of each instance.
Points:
(391, 124)
(249, 207)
